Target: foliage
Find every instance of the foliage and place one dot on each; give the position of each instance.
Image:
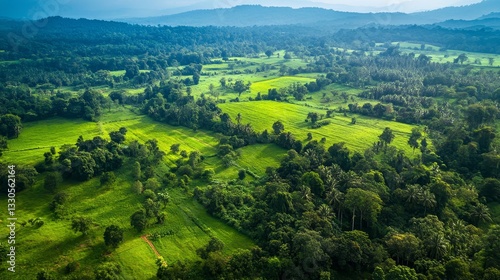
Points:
(113, 236)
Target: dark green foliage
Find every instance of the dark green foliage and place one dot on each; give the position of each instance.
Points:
(492, 250)
(44, 275)
(108, 179)
(117, 137)
(81, 224)
(387, 136)
(113, 236)
(72, 267)
(175, 148)
(278, 127)
(490, 189)
(214, 245)
(50, 182)
(10, 125)
(457, 269)
(401, 273)
(242, 174)
(139, 220)
(108, 271)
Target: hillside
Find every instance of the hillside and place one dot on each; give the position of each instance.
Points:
(245, 15)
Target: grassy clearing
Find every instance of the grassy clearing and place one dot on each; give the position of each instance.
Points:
(119, 73)
(143, 128)
(59, 245)
(254, 158)
(192, 227)
(358, 137)
(37, 138)
(447, 56)
(281, 82)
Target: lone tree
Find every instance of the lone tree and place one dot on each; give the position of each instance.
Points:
(139, 220)
(81, 224)
(175, 148)
(313, 116)
(239, 86)
(414, 137)
(461, 59)
(278, 127)
(269, 53)
(387, 136)
(113, 236)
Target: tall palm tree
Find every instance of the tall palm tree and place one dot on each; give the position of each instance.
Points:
(325, 213)
(427, 199)
(437, 246)
(481, 213)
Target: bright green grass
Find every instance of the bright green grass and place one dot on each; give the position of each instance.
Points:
(143, 128)
(54, 245)
(358, 137)
(192, 226)
(118, 73)
(449, 55)
(37, 138)
(281, 82)
(407, 45)
(255, 158)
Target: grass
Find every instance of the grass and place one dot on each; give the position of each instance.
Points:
(280, 82)
(448, 56)
(192, 226)
(119, 73)
(358, 137)
(37, 138)
(254, 158)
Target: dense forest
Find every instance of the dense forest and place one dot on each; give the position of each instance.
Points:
(327, 211)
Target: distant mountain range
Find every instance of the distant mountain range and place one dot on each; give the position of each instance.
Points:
(256, 15)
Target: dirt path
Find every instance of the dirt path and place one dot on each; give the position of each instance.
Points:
(145, 238)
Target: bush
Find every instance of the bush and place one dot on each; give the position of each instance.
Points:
(72, 267)
(320, 124)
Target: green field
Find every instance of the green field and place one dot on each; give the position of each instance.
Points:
(448, 56)
(254, 158)
(192, 227)
(358, 137)
(281, 82)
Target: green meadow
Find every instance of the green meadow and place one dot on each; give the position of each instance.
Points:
(447, 56)
(358, 137)
(189, 223)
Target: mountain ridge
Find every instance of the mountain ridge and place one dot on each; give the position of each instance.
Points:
(245, 15)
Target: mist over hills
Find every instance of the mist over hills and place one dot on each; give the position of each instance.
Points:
(256, 15)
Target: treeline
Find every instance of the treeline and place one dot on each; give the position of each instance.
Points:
(482, 40)
(332, 212)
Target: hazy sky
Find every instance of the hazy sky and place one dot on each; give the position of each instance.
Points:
(107, 9)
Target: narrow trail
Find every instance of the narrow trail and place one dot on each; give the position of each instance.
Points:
(145, 238)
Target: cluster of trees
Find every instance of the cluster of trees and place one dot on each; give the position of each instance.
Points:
(328, 211)
(21, 104)
(325, 211)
